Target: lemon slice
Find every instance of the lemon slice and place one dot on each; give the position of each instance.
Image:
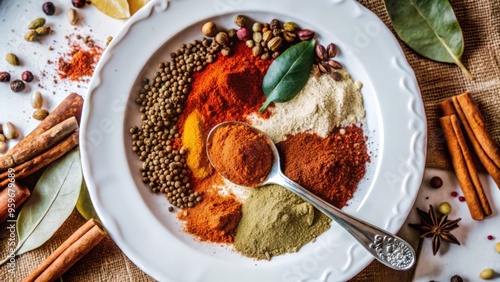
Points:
(118, 9)
(135, 5)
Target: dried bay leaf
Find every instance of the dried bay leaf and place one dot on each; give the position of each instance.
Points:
(288, 73)
(50, 204)
(429, 27)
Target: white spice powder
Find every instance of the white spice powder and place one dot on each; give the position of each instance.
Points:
(322, 105)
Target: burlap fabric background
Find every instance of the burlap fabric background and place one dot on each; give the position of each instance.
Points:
(480, 21)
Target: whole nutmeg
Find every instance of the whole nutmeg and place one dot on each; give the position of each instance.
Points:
(17, 85)
(209, 29)
(222, 38)
(305, 34)
(240, 20)
(275, 44)
(243, 34)
(331, 49)
(27, 76)
(4, 76)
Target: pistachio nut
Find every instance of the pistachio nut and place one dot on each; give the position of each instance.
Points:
(290, 26)
(40, 114)
(9, 130)
(275, 44)
(12, 59)
(31, 36)
(36, 23)
(43, 30)
(305, 34)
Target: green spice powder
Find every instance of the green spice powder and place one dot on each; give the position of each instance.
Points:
(276, 221)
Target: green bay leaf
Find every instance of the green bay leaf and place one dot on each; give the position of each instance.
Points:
(50, 204)
(429, 27)
(84, 204)
(288, 73)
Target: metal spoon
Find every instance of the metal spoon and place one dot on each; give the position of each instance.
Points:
(384, 246)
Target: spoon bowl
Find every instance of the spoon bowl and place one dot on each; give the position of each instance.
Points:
(386, 247)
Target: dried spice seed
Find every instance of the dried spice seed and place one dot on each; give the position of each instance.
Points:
(497, 247)
(209, 29)
(454, 194)
(436, 182)
(17, 85)
(336, 76)
(31, 36)
(444, 208)
(3, 147)
(240, 20)
(9, 130)
(36, 100)
(456, 278)
(78, 3)
(72, 16)
(461, 199)
(490, 237)
(306, 34)
(12, 59)
(487, 273)
(40, 114)
(332, 50)
(36, 23)
(43, 30)
(4, 76)
(27, 76)
(48, 8)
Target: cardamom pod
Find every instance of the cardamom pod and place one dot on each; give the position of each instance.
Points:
(275, 44)
(12, 59)
(40, 114)
(9, 130)
(256, 50)
(43, 30)
(290, 26)
(36, 23)
(31, 36)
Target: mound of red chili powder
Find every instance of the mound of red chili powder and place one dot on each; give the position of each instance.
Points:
(228, 89)
(329, 167)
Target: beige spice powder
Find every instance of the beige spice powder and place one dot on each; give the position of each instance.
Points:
(323, 104)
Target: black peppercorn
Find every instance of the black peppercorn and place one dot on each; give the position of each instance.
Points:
(48, 8)
(78, 3)
(27, 76)
(436, 182)
(17, 85)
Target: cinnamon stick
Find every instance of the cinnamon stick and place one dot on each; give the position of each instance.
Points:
(71, 106)
(19, 193)
(464, 168)
(478, 127)
(488, 164)
(447, 108)
(27, 168)
(39, 143)
(73, 249)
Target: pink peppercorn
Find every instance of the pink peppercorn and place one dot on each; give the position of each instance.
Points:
(490, 237)
(454, 194)
(461, 199)
(243, 34)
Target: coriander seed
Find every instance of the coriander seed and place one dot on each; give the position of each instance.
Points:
(209, 29)
(444, 208)
(240, 20)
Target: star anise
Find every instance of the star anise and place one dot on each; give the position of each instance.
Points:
(437, 228)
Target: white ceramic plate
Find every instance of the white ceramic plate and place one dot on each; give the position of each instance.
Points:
(138, 220)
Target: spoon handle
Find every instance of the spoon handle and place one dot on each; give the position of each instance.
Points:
(384, 246)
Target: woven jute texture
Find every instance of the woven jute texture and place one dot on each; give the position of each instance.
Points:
(480, 21)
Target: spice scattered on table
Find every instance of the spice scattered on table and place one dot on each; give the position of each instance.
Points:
(80, 61)
(436, 182)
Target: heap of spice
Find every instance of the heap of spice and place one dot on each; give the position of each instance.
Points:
(241, 154)
(330, 167)
(272, 212)
(81, 62)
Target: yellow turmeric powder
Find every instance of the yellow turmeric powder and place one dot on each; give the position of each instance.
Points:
(193, 139)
